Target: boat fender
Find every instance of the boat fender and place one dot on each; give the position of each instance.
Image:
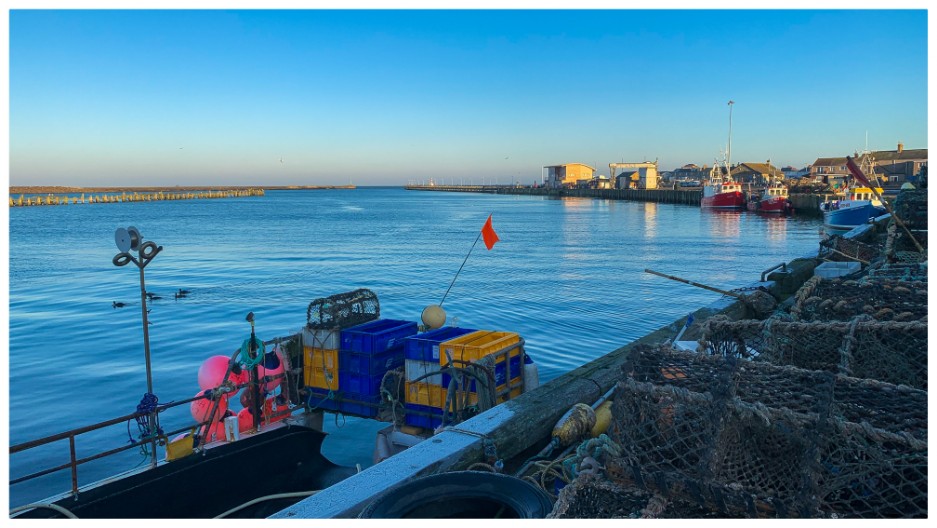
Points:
(530, 374)
(576, 423)
(603, 417)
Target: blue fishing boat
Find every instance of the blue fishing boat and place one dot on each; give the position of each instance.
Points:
(857, 208)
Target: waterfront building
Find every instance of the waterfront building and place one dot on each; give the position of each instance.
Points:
(567, 175)
(638, 175)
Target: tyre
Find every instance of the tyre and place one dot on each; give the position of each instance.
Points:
(461, 494)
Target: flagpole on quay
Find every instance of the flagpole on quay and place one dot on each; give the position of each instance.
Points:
(858, 174)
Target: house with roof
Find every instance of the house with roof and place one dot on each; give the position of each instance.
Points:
(895, 167)
(756, 173)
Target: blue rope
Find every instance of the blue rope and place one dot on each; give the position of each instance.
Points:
(145, 408)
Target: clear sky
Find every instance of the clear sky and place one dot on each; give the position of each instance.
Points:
(384, 97)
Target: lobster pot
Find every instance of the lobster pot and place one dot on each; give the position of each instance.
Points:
(888, 351)
(754, 439)
(879, 298)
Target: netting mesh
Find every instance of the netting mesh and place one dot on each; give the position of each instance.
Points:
(343, 310)
(839, 249)
(881, 298)
(590, 496)
(756, 439)
(890, 351)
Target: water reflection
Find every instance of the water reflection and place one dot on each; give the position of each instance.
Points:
(724, 224)
(650, 221)
(775, 228)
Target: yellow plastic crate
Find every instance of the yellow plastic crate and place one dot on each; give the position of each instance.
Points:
(320, 368)
(474, 346)
(426, 394)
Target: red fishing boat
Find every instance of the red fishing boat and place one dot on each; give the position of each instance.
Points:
(721, 191)
(774, 199)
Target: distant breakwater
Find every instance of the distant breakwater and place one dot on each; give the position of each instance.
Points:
(806, 204)
(56, 195)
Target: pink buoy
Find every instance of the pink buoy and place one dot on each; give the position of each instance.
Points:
(212, 372)
(201, 407)
(272, 365)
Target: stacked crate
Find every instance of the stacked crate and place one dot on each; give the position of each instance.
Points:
(365, 353)
(428, 396)
(421, 353)
(320, 358)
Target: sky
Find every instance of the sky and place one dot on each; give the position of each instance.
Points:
(392, 96)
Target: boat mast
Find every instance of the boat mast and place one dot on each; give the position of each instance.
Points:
(729, 150)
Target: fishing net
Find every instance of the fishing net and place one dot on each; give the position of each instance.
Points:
(891, 351)
(741, 438)
(881, 298)
(839, 249)
(343, 310)
(905, 271)
(590, 496)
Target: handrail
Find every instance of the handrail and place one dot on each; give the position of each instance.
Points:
(782, 265)
(72, 434)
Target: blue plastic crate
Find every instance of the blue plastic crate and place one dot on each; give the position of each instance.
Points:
(359, 386)
(425, 346)
(500, 374)
(421, 420)
(370, 364)
(376, 336)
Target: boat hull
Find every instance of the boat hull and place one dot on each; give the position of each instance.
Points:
(850, 217)
(281, 460)
(726, 200)
(778, 205)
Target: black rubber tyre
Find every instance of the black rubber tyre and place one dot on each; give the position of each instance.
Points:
(461, 495)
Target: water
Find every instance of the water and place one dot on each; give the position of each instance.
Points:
(567, 275)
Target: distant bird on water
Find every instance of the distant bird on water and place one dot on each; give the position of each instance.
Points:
(181, 293)
(152, 296)
(118, 304)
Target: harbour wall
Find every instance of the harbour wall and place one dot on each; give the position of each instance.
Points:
(804, 204)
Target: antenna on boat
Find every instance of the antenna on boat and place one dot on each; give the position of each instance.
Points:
(128, 240)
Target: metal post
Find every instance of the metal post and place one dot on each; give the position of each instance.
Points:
(128, 240)
(146, 335)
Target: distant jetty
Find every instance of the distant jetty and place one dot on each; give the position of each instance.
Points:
(61, 195)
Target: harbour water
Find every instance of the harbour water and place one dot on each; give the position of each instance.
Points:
(567, 275)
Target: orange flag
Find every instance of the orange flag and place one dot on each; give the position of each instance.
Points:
(488, 233)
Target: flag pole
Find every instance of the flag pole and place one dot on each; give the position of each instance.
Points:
(460, 268)
(850, 163)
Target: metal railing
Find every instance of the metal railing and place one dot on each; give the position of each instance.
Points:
(152, 441)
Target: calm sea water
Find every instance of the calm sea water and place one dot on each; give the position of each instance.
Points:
(567, 275)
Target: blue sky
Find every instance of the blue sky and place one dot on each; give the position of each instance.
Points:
(384, 97)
